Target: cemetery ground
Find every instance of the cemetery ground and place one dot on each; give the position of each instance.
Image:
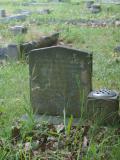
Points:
(21, 139)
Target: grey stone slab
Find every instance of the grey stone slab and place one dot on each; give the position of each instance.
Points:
(44, 41)
(117, 49)
(109, 1)
(2, 13)
(95, 8)
(18, 17)
(18, 29)
(3, 53)
(89, 3)
(60, 78)
(28, 12)
(13, 52)
(44, 11)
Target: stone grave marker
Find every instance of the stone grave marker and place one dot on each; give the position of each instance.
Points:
(3, 55)
(95, 8)
(2, 13)
(18, 29)
(60, 78)
(18, 17)
(89, 3)
(13, 51)
(44, 41)
(110, 1)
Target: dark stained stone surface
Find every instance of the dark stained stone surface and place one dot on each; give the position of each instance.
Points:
(18, 17)
(60, 78)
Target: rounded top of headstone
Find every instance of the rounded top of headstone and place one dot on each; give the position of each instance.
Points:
(102, 93)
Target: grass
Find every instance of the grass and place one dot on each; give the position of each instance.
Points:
(104, 143)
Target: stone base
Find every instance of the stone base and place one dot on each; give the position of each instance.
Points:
(56, 120)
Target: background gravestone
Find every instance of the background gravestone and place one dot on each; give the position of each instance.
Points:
(60, 78)
(18, 29)
(3, 13)
(13, 51)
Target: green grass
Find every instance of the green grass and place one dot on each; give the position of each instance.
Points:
(14, 76)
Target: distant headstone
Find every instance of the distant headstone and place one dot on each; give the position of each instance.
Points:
(59, 0)
(18, 17)
(95, 8)
(110, 1)
(3, 53)
(3, 13)
(89, 4)
(18, 29)
(13, 52)
(117, 49)
(60, 78)
(44, 41)
(44, 11)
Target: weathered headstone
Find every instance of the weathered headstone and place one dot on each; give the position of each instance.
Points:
(18, 29)
(13, 52)
(3, 51)
(44, 11)
(55, 0)
(89, 3)
(18, 17)
(95, 8)
(117, 49)
(3, 55)
(110, 1)
(44, 41)
(60, 78)
(2, 13)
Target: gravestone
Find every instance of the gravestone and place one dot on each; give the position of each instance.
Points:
(89, 3)
(13, 52)
(60, 78)
(44, 41)
(3, 53)
(95, 8)
(3, 13)
(110, 1)
(117, 49)
(18, 17)
(18, 29)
